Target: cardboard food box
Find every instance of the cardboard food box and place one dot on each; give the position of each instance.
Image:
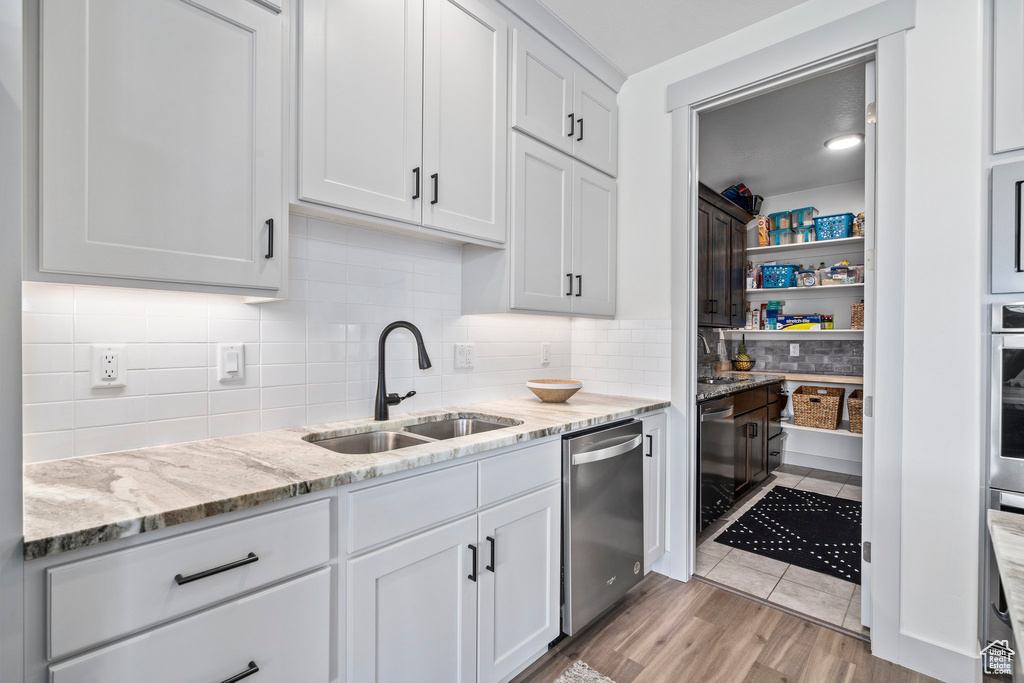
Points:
(799, 322)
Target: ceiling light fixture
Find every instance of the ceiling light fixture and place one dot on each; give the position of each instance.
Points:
(845, 141)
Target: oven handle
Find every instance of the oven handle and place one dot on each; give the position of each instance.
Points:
(1011, 500)
(610, 452)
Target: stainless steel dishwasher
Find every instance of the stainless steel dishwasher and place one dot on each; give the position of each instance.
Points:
(716, 475)
(602, 519)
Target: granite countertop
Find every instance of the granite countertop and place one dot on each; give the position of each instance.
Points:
(748, 380)
(81, 502)
(1007, 531)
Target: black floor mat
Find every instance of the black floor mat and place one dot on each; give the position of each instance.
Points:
(816, 532)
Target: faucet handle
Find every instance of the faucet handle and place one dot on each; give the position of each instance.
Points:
(395, 399)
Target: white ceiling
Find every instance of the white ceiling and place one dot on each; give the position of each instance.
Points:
(638, 34)
(775, 143)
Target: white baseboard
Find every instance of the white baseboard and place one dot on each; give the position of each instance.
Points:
(939, 662)
(821, 462)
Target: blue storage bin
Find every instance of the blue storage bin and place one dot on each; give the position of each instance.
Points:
(804, 216)
(776, 276)
(779, 220)
(776, 237)
(834, 227)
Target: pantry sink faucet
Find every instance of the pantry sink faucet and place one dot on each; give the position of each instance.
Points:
(384, 400)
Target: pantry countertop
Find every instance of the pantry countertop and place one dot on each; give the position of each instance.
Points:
(81, 502)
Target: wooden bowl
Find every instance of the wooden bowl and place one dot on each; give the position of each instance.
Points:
(554, 390)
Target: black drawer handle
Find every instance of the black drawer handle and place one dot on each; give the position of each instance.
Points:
(494, 545)
(579, 285)
(650, 445)
(433, 177)
(248, 559)
(416, 172)
(472, 575)
(253, 669)
(569, 275)
(580, 138)
(572, 124)
(270, 238)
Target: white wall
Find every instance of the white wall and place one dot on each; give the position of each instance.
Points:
(945, 233)
(828, 200)
(309, 359)
(645, 155)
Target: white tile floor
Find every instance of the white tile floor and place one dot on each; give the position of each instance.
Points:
(818, 595)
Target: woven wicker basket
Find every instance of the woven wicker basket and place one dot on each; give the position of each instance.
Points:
(856, 404)
(820, 407)
(857, 316)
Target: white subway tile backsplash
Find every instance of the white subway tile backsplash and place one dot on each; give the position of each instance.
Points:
(48, 358)
(624, 357)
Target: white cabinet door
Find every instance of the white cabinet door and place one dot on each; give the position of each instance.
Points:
(593, 241)
(162, 140)
(465, 118)
(412, 609)
(284, 631)
(519, 581)
(1007, 75)
(542, 90)
(655, 461)
(361, 99)
(541, 247)
(597, 122)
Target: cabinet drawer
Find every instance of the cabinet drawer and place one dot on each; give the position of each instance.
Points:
(384, 512)
(109, 596)
(284, 630)
(523, 470)
(751, 399)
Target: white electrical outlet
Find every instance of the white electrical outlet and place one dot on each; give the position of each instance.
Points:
(108, 367)
(545, 353)
(463, 355)
(794, 349)
(230, 362)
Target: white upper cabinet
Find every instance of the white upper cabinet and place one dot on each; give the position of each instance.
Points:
(1007, 75)
(561, 103)
(465, 118)
(541, 241)
(593, 241)
(542, 97)
(597, 123)
(361, 94)
(161, 141)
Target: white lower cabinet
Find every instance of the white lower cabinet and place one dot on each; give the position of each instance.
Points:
(655, 510)
(285, 631)
(519, 582)
(412, 609)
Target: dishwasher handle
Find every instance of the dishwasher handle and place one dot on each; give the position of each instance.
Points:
(609, 452)
(716, 415)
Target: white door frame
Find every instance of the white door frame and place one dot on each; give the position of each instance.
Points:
(876, 33)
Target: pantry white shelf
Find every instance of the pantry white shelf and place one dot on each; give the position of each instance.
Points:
(805, 292)
(822, 246)
(803, 334)
(844, 429)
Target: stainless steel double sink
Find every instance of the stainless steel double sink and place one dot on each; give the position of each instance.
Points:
(412, 435)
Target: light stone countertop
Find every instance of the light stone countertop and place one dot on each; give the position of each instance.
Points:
(809, 377)
(81, 502)
(750, 380)
(1007, 531)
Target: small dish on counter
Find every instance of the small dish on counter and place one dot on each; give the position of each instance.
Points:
(554, 390)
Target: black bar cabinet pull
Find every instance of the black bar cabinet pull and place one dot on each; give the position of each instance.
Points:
(650, 445)
(753, 430)
(253, 669)
(569, 275)
(580, 138)
(572, 124)
(579, 285)
(494, 544)
(434, 178)
(270, 238)
(472, 575)
(248, 559)
(416, 172)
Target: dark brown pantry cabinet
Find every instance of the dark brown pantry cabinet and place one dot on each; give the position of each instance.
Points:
(721, 260)
(757, 425)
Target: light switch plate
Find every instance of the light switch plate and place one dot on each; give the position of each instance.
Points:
(230, 362)
(108, 366)
(545, 353)
(463, 355)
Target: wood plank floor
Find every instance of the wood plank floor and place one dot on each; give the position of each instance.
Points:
(670, 631)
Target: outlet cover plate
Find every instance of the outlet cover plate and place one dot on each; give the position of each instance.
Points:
(463, 355)
(794, 350)
(108, 366)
